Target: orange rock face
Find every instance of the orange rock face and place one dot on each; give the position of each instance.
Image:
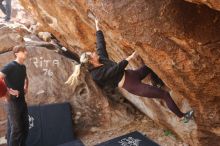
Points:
(179, 40)
(214, 4)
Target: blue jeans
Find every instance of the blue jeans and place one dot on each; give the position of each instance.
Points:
(6, 9)
(18, 123)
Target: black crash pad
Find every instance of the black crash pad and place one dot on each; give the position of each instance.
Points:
(50, 125)
(131, 139)
(73, 143)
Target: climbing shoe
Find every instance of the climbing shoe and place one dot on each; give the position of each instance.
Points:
(188, 116)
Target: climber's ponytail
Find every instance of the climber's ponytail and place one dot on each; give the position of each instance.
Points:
(74, 77)
(72, 80)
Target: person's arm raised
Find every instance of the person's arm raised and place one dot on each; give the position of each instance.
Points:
(97, 25)
(100, 42)
(112, 71)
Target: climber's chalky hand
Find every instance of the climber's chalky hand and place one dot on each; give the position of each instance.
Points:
(132, 56)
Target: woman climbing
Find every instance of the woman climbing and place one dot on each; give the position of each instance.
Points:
(107, 73)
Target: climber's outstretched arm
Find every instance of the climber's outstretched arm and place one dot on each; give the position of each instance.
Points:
(97, 24)
(100, 41)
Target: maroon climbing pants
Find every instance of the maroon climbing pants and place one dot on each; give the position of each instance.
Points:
(134, 85)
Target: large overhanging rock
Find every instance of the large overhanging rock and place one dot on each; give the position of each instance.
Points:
(214, 4)
(177, 39)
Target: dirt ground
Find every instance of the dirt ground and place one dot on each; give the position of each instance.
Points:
(142, 124)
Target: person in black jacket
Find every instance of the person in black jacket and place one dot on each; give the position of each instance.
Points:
(107, 73)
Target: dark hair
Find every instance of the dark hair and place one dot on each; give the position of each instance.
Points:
(18, 48)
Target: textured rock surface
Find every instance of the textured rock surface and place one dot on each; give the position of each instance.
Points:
(48, 71)
(18, 14)
(11, 35)
(177, 39)
(214, 4)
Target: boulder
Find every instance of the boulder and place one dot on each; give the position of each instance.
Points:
(177, 39)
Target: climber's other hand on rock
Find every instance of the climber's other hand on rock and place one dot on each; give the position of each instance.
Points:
(132, 56)
(97, 24)
(96, 21)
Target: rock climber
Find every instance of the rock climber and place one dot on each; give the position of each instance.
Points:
(107, 73)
